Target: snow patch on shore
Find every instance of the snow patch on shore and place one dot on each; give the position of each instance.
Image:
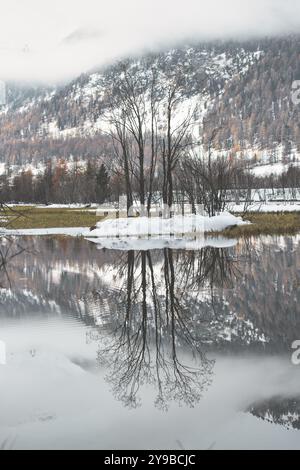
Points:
(182, 226)
(143, 226)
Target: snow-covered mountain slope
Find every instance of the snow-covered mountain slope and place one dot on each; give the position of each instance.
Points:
(220, 81)
(38, 123)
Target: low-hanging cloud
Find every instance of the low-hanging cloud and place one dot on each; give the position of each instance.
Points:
(56, 40)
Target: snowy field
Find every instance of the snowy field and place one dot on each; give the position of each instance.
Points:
(265, 208)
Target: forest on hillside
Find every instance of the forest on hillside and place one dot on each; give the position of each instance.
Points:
(244, 88)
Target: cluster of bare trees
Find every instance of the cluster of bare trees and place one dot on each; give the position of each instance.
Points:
(147, 135)
(207, 180)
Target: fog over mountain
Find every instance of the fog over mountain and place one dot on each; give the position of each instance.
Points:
(59, 42)
(237, 63)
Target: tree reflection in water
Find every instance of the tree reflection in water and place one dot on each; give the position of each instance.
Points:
(10, 248)
(157, 337)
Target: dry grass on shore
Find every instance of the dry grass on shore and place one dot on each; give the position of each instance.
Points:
(284, 223)
(27, 217)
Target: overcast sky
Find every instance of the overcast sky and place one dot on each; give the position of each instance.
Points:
(54, 40)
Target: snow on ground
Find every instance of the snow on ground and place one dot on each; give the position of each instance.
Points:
(142, 226)
(265, 208)
(57, 206)
(275, 169)
(70, 231)
(258, 204)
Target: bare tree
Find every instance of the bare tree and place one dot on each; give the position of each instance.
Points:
(176, 139)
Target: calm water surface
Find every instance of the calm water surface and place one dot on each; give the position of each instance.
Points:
(149, 349)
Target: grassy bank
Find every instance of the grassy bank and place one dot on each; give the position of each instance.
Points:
(32, 217)
(287, 223)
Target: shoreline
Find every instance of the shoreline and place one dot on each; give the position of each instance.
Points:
(68, 222)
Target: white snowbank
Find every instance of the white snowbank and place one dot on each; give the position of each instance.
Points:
(143, 226)
(140, 227)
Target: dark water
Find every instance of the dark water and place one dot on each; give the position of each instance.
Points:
(149, 349)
